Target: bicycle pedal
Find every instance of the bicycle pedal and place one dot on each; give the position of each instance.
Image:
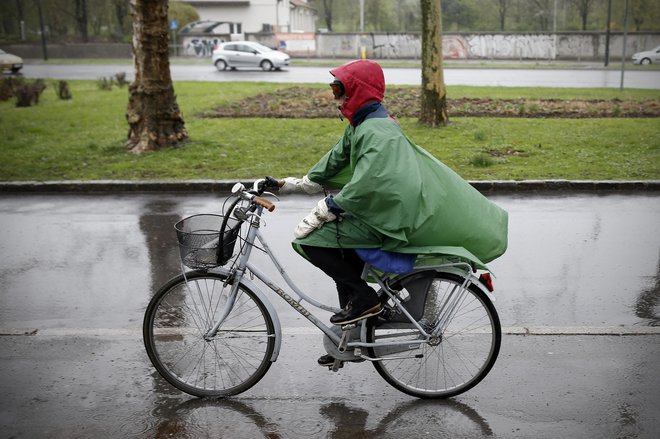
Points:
(348, 327)
(338, 364)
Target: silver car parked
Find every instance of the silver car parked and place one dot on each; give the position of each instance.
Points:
(10, 62)
(237, 54)
(649, 57)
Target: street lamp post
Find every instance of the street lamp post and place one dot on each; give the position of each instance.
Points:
(361, 16)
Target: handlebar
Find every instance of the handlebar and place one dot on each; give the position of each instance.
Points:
(259, 187)
(264, 203)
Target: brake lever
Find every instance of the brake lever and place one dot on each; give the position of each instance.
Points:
(272, 194)
(258, 186)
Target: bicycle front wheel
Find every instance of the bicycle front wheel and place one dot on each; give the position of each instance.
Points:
(446, 365)
(176, 336)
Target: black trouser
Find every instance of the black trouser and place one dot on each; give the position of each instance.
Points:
(345, 267)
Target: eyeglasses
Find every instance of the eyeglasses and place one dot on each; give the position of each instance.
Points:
(337, 89)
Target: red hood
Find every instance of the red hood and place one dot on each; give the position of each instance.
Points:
(364, 83)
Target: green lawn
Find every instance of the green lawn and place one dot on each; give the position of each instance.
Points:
(84, 139)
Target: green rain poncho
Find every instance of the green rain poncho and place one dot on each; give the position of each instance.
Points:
(396, 196)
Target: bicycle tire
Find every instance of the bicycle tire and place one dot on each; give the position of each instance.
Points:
(176, 320)
(455, 362)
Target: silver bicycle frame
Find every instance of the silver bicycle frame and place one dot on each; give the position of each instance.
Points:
(447, 311)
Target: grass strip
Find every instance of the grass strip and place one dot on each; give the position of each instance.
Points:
(83, 139)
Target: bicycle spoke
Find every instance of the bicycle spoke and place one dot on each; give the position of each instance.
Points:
(454, 360)
(231, 361)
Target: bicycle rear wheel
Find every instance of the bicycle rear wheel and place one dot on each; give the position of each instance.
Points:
(175, 329)
(450, 364)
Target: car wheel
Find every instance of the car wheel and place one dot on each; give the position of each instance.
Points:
(221, 65)
(266, 65)
(646, 61)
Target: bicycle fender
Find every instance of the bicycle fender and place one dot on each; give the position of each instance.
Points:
(269, 307)
(471, 277)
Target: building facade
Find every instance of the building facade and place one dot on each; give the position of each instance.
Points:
(271, 16)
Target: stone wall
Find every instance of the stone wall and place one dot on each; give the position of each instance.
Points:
(513, 46)
(89, 50)
(583, 46)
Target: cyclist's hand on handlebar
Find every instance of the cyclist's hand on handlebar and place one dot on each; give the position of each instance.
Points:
(261, 185)
(299, 185)
(272, 183)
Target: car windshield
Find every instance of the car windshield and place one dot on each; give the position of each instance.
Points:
(261, 48)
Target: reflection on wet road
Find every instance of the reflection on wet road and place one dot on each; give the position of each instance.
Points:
(579, 260)
(338, 420)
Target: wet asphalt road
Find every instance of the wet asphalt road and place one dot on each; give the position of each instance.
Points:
(566, 78)
(577, 292)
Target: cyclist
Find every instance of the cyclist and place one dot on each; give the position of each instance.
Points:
(396, 201)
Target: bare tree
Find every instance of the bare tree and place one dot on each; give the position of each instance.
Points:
(153, 114)
(327, 14)
(81, 19)
(501, 11)
(434, 94)
(639, 10)
(121, 12)
(583, 7)
(544, 13)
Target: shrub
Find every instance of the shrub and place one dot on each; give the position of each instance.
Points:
(104, 83)
(481, 161)
(28, 94)
(63, 91)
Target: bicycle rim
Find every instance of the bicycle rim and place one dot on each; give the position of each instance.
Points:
(453, 363)
(181, 314)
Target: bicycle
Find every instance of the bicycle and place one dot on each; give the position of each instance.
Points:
(212, 332)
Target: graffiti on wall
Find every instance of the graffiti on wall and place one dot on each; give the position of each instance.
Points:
(391, 45)
(463, 47)
(512, 46)
(296, 43)
(454, 47)
(583, 46)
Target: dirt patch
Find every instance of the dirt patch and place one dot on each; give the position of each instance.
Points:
(305, 102)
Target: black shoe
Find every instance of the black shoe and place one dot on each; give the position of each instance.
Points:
(352, 314)
(326, 360)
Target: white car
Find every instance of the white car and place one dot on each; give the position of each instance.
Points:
(648, 57)
(237, 54)
(10, 62)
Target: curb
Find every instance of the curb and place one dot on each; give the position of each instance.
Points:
(205, 186)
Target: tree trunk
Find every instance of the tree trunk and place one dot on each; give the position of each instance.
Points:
(121, 11)
(153, 115)
(501, 9)
(434, 95)
(81, 19)
(327, 10)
